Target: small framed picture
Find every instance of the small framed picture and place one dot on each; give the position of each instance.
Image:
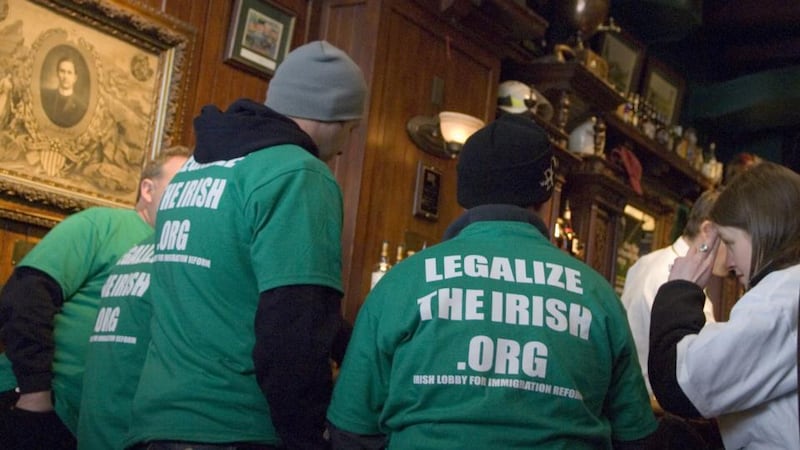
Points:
(624, 56)
(663, 89)
(259, 36)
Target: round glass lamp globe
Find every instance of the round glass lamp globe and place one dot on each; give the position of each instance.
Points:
(457, 127)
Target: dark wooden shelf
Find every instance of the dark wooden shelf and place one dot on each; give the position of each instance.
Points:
(553, 77)
(657, 161)
(516, 30)
(667, 173)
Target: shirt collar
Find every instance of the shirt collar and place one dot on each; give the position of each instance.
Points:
(495, 212)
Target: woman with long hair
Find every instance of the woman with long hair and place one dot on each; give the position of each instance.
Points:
(742, 372)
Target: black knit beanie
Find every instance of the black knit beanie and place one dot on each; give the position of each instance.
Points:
(509, 161)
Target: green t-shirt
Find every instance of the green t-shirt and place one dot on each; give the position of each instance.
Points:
(493, 339)
(116, 351)
(78, 254)
(227, 231)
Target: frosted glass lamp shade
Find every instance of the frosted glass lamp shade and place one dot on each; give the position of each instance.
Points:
(442, 135)
(457, 127)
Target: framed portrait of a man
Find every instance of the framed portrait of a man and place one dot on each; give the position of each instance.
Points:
(65, 86)
(96, 88)
(63, 97)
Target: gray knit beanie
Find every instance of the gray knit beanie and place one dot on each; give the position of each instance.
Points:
(320, 82)
(508, 161)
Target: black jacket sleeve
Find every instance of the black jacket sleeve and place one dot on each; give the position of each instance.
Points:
(28, 303)
(295, 327)
(340, 341)
(677, 312)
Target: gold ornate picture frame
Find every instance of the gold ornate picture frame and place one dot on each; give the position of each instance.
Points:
(89, 91)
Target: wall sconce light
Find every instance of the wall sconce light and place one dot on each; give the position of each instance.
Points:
(442, 135)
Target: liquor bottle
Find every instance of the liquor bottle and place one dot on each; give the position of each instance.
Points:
(572, 243)
(636, 113)
(627, 109)
(663, 136)
(648, 124)
(382, 266)
(712, 168)
(677, 136)
(401, 249)
(558, 233)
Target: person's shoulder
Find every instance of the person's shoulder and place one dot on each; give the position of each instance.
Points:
(655, 255)
(106, 211)
(79, 100)
(781, 283)
(649, 261)
(284, 159)
(105, 214)
(289, 152)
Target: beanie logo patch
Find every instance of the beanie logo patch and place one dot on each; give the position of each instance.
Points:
(549, 176)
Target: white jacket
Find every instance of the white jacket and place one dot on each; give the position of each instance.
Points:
(744, 371)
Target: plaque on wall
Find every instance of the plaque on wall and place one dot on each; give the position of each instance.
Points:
(426, 192)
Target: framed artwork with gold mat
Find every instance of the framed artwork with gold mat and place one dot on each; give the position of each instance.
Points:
(89, 91)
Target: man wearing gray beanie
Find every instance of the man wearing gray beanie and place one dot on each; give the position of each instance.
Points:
(493, 338)
(246, 281)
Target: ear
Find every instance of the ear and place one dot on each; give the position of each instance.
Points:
(146, 188)
(708, 231)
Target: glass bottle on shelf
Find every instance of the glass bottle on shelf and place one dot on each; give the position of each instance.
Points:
(712, 168)
(572, 244)
(648, 121)
(627, 109)
(691, 146)
(401, 249)
(382, 266)
(677, 136)
(663, 135)
(635, 114)
(682, 145)
(698, 160)
(559, 236)
(645, 116)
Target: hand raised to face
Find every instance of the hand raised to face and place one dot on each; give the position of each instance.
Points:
(698, 263)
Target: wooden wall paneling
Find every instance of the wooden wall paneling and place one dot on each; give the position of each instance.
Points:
(353, 26)
(412, 50)
(226, 83)
(219, 83)
(12, 233)
(394, 84)
(600, 231)
(597, 204)
(22, 222)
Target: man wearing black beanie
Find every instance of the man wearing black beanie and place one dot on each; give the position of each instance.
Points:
(493, 338)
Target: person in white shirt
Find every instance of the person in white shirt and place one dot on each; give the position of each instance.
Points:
(650, 271)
